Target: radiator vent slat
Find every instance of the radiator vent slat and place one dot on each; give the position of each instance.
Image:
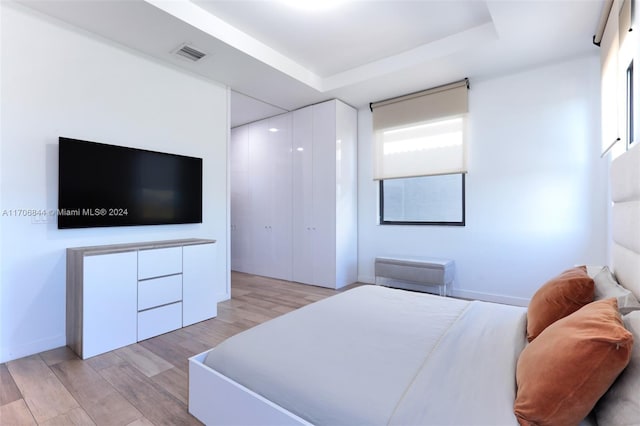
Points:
(190, 53)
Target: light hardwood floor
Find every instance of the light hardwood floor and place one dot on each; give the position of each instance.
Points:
(141, 384)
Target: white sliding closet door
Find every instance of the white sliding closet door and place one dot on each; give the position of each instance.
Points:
(300, 177)
(240, 199)
(270, 187)
(324, 195)
(303, 224)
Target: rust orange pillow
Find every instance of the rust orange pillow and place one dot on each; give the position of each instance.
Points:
(557, 298)
(562, 374)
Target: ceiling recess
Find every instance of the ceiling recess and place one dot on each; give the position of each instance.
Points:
(190, 52)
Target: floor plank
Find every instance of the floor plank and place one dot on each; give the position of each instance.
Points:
(158, 406)
(242, 315)
(176, 353)
(16, 413)
(100, 400)
(45, 396)
(143, 359)
(174, 381)
(106, 360)
(75, 417)
(212, 333)
(141, 422)
(58, 355)
(9, 392)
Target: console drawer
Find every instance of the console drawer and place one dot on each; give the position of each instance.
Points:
(158, 262)
(159, 291)
(159, 320)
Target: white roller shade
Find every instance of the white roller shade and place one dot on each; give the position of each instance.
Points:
(421, 134)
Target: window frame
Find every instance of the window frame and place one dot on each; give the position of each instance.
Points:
(382, 221)
(630, 125)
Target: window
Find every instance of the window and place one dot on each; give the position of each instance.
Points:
(420, 156)
(630, 116)
(426, 200)
(618, 49)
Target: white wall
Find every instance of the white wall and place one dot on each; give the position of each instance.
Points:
(58, 81)
(536, 187)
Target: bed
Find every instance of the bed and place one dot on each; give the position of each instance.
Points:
(375, 355)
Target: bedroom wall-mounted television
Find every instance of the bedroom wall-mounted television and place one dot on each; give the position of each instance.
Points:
(107, 185)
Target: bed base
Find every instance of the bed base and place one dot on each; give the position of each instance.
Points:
(214, 399)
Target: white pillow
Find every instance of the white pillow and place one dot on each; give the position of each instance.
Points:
(620, 406)
(606, 287)
(593, 270)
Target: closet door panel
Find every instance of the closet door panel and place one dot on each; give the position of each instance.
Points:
(240, 198)
(297, 166)
(324, 194)
(346, 196)
(261, 187)
(303, 195)
(280, 227)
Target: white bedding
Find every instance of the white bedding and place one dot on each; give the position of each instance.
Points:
(375, 355)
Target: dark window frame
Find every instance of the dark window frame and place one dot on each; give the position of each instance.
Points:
(382, 221)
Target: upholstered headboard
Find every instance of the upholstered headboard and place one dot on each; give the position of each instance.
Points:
(625, 194)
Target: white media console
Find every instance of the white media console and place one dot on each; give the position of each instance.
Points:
(124, 293)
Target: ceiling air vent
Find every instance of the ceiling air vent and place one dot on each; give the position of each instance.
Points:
(189, 52)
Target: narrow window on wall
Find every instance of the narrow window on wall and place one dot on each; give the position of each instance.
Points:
(630, 112)
(618, 49)
(420, 156)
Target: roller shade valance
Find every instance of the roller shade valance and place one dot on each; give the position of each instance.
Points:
(421, 134)
(430, 104)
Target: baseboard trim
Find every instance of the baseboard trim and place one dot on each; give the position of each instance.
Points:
(490, 297)
(21, 351)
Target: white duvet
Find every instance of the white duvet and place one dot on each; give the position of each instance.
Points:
(374, 356)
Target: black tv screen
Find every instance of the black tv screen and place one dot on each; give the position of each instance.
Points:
(106, 185)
